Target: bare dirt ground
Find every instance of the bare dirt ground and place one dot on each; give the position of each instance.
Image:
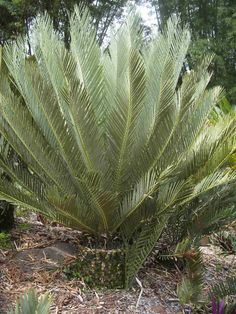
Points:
(41, 251)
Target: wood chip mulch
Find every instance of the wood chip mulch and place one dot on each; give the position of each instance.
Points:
(41, 251)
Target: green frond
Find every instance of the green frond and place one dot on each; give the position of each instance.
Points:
(201, 216)
(206, 221)
(16, 195)
(43, 160)
(73, 211)
(223, 289)
(215, 179)
(124, 119)
(61, 72)
(87, 55)
(143, 215)
(189, 290)
(142, 246)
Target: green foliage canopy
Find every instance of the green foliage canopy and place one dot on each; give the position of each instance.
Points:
(17, 16)
(213, 28)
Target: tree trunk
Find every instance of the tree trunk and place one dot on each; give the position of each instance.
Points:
(6, 216)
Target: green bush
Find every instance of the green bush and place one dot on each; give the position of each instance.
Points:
(117, 141)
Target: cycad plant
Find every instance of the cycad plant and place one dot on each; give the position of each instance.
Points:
(32, 303)
(222, 291)
(115, 140)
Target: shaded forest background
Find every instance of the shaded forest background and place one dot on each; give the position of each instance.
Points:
(212, 24)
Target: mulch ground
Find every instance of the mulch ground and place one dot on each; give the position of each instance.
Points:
(41, 252)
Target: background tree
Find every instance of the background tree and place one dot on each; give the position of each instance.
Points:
(16, 16)
(213, 28)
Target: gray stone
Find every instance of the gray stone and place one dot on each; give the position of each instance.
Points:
(48, 258)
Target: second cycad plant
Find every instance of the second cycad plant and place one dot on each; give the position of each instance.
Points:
(111, 142)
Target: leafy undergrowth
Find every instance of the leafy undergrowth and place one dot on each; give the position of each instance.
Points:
(5, 240)
(41, 253)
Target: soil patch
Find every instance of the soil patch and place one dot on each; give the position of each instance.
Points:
(37, 260)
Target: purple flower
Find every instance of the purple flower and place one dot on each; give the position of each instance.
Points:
(218, 307)
(221, 307)
(214, 307)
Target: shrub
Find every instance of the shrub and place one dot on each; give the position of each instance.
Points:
(116, 141)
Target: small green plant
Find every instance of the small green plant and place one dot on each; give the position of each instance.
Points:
(195, 221)
(23, 226)
(5, 240)
(190, 288)
(220, 296)
(21, 212)
(32, 303)
(218, 267)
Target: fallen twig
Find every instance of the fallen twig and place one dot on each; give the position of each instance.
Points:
(141, 291)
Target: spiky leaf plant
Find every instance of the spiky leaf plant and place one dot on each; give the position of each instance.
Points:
(189, 290)
(221, 291)
(114, 140)
(203, 216)
(32, 303)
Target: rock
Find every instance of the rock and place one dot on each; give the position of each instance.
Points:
(157, 309)
(204, 241)
(49, 257)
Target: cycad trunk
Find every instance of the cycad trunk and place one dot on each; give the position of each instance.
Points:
(6, 216)
(99, 264)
